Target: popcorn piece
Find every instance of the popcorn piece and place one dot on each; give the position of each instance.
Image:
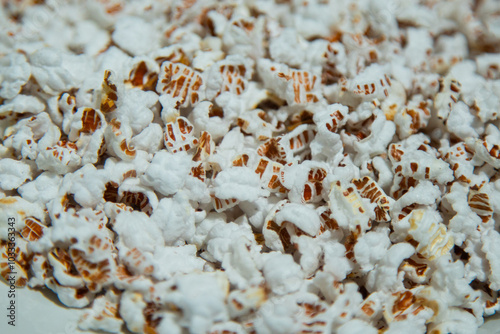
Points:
(128, 223)
(63, 268)
(335, 66)
(14, 259)
(90, 143)
(23, 136)
(118, 136)
(131, 310)
(200, 313)
(85, 120)
(460, 159)
(385, 276)
(240, 264)
(240, 183)
(490, 241)
(175, 218)
(447, 97)
(286, 220)
(405, 306)
(33, 230)
(329, 166)
(135, 35)
(288, 47)
(372, 307)
(373, 82)
(61, 108)
(69, 296)
(282, 273)
(22, 104)
(228, 327)
(304, 181)
(94, 261)
(368, 188)
(381, 134)
(229, 75)
(458, 321)
(419, 48)
(144, 73)
(40, 268)
(205, 148)
(244, 35)
(207, 117)
(103, 315)
(488, 65)
(461, 122)
(487, 150)
(356, 326)
(276, 150)
(136, 109)
(89, 38)
(170, 261)
(13, 173)
(175, 53)
(413, 117)
(333, 118)
(253, 122)
(242, 302)
(256, 211)
(110, 92)
(371, 248)
(61, 158)
(445, 57)
(327, 143)
(78, 66)
(408, 171)
(299, 139)
(270, 172)
(348, 208)
(150, 139)
(346, 304)
(301, 216)
(180, 83)
(479, 201)
(133, 194)
(47, 70)
(414, 197)
(179, 135)
(336, 262)
(136, 261)
(167, 172)
(295, 86)
(277, 316)
(19, 209)
(310, 252)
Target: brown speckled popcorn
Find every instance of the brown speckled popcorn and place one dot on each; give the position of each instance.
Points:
(254, 166)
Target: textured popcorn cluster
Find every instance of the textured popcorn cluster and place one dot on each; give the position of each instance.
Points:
(252, 166)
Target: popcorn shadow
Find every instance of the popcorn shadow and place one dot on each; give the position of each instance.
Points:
(49, 295)
(491, 325)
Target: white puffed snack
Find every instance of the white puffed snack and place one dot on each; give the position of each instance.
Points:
(251, 166)
(14, 74)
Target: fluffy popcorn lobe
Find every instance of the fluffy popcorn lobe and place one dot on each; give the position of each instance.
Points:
(231, 167)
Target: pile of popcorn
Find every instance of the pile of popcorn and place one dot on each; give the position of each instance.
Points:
(254, 166)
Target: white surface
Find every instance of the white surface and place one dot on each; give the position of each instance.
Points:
(42, 313)
(37, 313)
